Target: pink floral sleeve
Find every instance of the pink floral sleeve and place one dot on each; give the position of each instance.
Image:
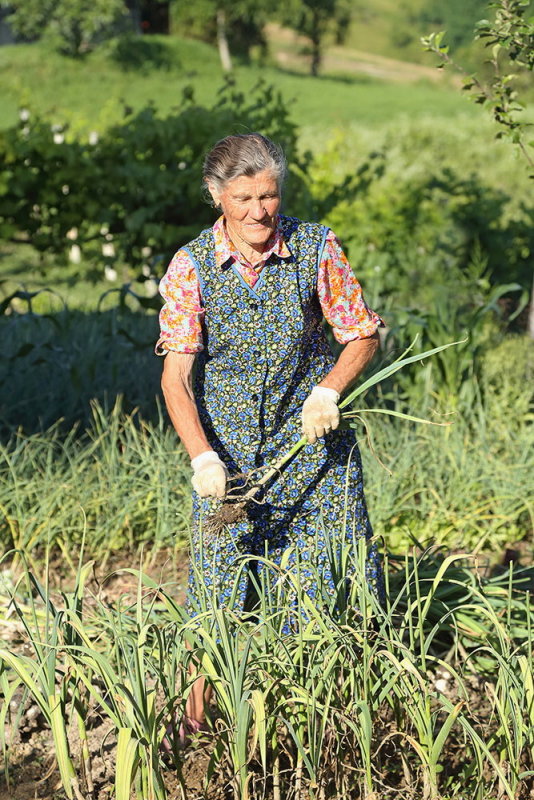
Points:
(181, 316)
(341, 296)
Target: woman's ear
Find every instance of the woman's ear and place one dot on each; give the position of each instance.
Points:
(212, 189)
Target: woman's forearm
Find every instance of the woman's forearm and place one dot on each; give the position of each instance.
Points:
(355, 356)
(177, 386)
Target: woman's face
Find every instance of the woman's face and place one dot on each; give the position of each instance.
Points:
(250, 206)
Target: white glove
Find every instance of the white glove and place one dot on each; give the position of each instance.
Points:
(320, 413)
(209, 475)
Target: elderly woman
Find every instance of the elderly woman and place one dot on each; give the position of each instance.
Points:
(244, 304)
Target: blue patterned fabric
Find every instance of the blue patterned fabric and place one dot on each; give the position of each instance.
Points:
(265, 349)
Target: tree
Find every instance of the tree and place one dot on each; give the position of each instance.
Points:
(314, 19)
(511, 38)
(457, 17)
(76, 25)
(236, 26)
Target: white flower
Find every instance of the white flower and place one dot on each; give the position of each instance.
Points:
(110, 273)
(75, 254)
(145, 269)
(25, 130)
(151, 288)
(72, 234)
(24, 115)
(108, 250)
(146, 252)
(182, 165)
(93, 137)
(65, 189)
(58, 138)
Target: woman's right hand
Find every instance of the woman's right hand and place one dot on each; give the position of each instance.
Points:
(209, 475)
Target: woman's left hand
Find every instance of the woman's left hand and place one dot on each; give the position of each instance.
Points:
(320, 413)
(209, 475)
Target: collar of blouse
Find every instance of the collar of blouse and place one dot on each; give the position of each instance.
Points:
(225, 248)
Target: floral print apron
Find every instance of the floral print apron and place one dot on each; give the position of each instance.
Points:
(264, 350)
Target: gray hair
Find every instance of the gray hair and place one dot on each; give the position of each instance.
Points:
(243, 154)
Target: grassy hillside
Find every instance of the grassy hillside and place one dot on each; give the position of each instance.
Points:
(90, 94)
(393, 28)
(385, 27)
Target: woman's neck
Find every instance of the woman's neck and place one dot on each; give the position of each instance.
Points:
(252, 253)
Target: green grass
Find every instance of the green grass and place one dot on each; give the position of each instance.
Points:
(467, 485)
(90, 93)
(373, 30)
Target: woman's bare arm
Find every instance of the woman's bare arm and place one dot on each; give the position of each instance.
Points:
(355, 356)
(177, 386)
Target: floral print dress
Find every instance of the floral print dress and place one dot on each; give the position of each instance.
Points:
(263, 350)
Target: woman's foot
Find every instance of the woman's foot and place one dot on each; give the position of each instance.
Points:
(188, 731)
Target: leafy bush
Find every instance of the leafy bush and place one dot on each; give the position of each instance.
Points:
(406, 216)
(75, 26)
(457, 17)
(440, 216)
(138, 186)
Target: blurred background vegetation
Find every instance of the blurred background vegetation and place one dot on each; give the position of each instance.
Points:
(107, 110)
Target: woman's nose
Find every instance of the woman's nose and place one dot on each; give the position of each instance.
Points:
(257, 209)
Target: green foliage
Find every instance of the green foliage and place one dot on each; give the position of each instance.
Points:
(511, 38)
(457, 17)
(404, 232)
(74, 25)
(295, 708)
(245, 20)
(55, 364)
(510, 31)
(315, 19)
(123, 480)
(143, 54)
(475, 319)
(138, 186)
(466, 484)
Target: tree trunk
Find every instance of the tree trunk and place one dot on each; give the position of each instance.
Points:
(135, 15)
(316, 44)
(222, 41)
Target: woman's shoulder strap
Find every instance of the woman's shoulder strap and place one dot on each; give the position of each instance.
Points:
(201, 251)
(292, 225)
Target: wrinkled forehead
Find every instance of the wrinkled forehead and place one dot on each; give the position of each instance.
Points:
(258, 184)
